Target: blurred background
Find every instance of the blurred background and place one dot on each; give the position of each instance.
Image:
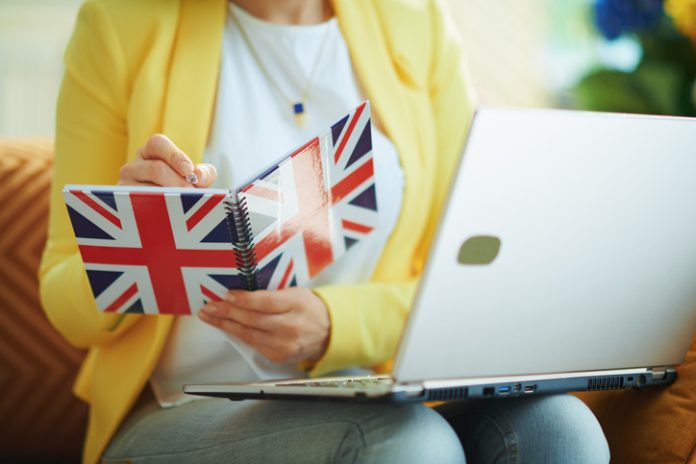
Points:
(608, 55)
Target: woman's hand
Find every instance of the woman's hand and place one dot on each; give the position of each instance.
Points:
(160, 162)
(290, 325)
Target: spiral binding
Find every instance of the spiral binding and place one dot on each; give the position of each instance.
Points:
(239, 224)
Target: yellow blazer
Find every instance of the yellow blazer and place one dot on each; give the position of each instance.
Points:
(133, 69)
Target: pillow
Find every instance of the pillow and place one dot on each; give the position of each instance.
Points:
(42, 420)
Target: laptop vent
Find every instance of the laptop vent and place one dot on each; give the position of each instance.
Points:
(605, 383)
(447, 394)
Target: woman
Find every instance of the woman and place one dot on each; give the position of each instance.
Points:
(214, 77)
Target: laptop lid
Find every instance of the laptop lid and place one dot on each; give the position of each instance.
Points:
(563, 261)
(567, 245)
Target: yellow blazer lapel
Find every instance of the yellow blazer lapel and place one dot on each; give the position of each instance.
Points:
(372, 60)
(191, 90)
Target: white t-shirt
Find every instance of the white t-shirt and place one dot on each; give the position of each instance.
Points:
(253, 127)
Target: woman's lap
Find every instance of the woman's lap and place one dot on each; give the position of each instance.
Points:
(284, 431)
(538, 430)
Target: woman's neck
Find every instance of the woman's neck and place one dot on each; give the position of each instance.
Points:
(288, 11)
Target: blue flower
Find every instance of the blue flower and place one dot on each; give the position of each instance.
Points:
(614, 17)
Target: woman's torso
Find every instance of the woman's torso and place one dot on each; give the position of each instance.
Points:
(253, 127)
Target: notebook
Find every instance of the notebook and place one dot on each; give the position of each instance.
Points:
(157, 250)
(563, 261)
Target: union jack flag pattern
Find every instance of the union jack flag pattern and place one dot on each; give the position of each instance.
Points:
(152, 250)
(310, 209)
(169, 251)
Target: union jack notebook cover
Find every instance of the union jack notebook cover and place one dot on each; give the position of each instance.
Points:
(158, 250)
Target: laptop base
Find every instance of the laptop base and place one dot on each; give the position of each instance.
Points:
(383, 389)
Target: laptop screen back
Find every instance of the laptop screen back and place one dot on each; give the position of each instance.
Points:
(568, 244)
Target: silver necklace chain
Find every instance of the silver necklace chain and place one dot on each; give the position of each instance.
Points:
(298, 107)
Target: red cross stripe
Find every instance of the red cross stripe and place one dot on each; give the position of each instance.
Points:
(159, 254)
(312, 218)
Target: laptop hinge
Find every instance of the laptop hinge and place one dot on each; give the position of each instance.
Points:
(660, 373)
(411, 384)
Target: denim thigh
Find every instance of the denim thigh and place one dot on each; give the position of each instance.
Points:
(539, 429)
(217, 430)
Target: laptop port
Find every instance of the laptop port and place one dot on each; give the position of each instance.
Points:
(488, 391)
(517, 387)
(530, 388)
(503, 390)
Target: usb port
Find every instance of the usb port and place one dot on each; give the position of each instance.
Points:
(503, 390)
(530, 388)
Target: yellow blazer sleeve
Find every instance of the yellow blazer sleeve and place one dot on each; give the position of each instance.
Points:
(91, 141)
(452, 102)
(367, 320)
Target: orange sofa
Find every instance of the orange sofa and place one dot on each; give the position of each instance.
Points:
(43, 422)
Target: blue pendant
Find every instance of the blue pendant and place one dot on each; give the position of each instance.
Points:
(299, 112)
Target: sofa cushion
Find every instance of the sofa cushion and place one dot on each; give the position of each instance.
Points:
(42, 420)
(656, 425)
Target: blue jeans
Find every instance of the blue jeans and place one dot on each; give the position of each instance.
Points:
(544, 429)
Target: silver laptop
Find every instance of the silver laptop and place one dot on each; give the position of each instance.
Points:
(565, 260)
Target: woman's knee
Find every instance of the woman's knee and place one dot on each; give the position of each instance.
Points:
(544, 429)
(559, 428)
(410, 434)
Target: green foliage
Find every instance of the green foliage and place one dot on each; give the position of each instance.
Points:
(662, 83)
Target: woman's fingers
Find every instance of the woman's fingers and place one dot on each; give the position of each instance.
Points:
(160, 162)
(159, 147)
(206, 175)
(296, 320)
(267, 343)
(255, 319)
(266, 301)
(155, 172)
(140, 184)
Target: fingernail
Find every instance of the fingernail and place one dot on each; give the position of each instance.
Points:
(230, 297)
(185, 166)
(207, 310)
